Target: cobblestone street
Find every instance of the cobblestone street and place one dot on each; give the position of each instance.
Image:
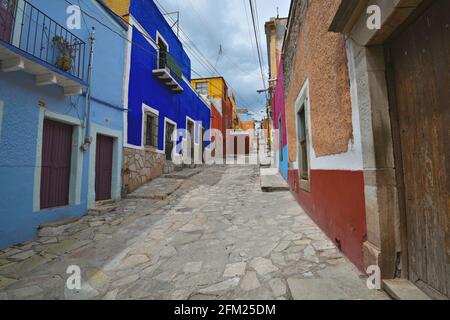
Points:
(217, 236)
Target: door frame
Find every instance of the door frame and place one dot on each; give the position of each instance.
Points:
(397, 146)
(76, 164)
(116, 183)
(386, 244)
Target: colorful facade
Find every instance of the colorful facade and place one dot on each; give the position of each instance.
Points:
(216, 91)
(279, 124)
(323, 127)
(51, 134)
(160, 99)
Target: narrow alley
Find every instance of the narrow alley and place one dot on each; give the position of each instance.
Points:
(217, 236)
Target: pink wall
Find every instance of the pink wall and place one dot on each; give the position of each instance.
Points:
(279, 103)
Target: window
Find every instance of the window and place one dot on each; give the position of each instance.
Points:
(303, 144)
(151, 130)
(202, 88)
(302, 121)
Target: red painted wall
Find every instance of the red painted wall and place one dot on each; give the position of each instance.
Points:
(336, 203)
(216, 120)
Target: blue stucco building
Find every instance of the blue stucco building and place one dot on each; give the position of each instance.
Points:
(59, 153)
(160, 98)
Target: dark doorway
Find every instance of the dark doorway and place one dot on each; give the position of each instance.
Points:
(103, 168)
(7, 13)
(203, 143)
(419, 82)
(191, 141)
(56, 159)
(169, 144)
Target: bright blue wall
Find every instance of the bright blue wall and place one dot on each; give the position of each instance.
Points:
(283, 166)
(146, 88)
(18, 140)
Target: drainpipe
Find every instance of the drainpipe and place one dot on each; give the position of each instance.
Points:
(87, 118)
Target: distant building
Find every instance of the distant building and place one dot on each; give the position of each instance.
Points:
(275, 31)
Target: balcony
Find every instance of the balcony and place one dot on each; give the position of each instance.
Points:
(169, 72)
(32, 42)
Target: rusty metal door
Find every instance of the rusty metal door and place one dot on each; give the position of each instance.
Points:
(103, 168)
(56, 159)
(7, 14)
(420, 63)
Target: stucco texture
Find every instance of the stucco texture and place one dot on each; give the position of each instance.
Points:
(320, 56)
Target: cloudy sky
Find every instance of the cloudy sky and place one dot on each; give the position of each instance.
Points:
(210, 24)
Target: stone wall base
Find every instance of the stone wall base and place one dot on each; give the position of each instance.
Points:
(141, 166)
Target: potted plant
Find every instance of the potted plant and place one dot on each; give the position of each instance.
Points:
(65, 53)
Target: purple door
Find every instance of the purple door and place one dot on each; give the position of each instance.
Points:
(103, 168)
(7, 12)
(56, 158)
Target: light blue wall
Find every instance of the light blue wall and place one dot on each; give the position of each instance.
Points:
(21, 127)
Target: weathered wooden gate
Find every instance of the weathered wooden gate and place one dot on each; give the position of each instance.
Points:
(103, 168)
(419, 61)
(56, 159)
(7, 14)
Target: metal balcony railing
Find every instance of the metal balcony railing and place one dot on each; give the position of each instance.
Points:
(27, 28)
(166, 61)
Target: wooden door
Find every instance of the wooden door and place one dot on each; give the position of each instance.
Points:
(56, 159)
(103, 168)
(169, 144)
(7, 12)
(420, 66)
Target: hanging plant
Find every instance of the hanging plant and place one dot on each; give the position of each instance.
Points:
(65, 53)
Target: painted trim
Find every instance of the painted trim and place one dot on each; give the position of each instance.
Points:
(1, 117)
(137, 25)
(76, 163)
(126, 83)
(302, 102)
(116, 183)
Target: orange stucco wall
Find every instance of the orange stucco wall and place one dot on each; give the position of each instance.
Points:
(321, 57)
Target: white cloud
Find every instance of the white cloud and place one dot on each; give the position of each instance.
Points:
(211, 23)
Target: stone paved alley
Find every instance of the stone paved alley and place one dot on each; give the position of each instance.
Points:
(218, 236)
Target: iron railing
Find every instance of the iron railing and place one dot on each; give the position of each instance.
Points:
(166, 61)
(27, 28)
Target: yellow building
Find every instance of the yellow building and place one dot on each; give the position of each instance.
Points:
(119, 7)
(216, 89)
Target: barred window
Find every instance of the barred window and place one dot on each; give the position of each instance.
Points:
(151, 129)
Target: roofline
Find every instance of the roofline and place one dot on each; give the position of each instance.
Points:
(113, 15)
(347, 15)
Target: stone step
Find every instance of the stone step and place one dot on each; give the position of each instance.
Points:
(402, 289)
(57, 228)
(103, 209)
(158, 189)
(272, 181)
(183, 175)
